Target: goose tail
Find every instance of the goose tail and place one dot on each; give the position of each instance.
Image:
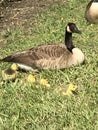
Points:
(7, 59)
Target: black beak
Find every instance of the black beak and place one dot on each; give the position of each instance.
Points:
(77, 31)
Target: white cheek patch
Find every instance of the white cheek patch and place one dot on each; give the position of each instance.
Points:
(68, 29)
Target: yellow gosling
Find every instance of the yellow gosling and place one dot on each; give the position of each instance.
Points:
(9, 74)
(70, 89)
(44, 82)
(14, 67)
(31, 78)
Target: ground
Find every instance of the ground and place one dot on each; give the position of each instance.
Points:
(15, 12)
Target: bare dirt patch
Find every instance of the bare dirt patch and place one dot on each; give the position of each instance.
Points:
(15, 12)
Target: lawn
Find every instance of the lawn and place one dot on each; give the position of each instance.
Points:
(31, 106)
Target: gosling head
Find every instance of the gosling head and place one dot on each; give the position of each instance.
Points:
(72, 28)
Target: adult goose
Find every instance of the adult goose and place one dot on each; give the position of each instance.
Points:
(91, 13)
(50, 56)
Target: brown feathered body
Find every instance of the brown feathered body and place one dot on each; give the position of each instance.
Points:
(51, 56)
(54, 56)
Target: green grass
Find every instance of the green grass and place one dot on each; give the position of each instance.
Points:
(25, 106)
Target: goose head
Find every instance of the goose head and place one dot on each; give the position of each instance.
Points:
(72, 28)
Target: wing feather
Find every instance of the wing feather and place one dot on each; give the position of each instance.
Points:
(48, 51)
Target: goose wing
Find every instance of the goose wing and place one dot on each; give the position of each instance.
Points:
(42, 52)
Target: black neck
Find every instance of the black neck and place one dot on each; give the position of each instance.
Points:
(68, 41)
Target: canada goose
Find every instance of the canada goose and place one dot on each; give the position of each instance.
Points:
(91, 13)
(50, 56)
